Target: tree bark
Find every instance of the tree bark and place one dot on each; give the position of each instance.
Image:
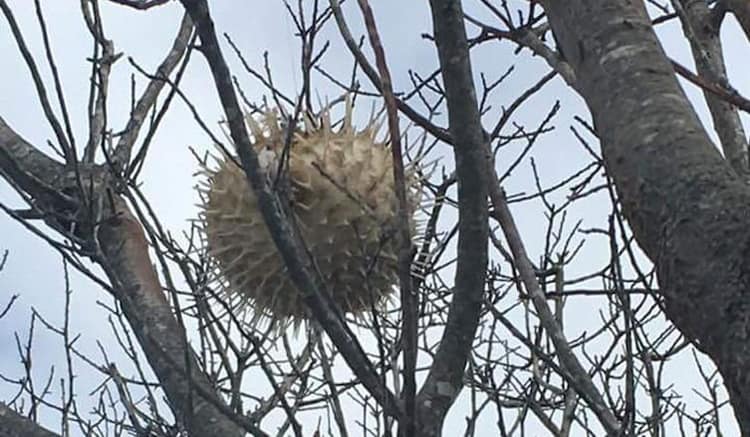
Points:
(705, 43)
(13, 424)
(741, 10)
(114, 238)
(124, 257)
(445, 378)
(688, 209)
(163, 340)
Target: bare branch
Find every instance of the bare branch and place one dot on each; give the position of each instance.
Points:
(372, 74)
(409, 301)
(708, 54)
(741, 10)
(38, 83)
(30, 169)
(137, 287)
(101, 65)
(140, 4)
(151, 93)
(579, 378)
(445, 379)
(298, 265)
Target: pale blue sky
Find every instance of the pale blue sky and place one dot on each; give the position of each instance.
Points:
(34, 270)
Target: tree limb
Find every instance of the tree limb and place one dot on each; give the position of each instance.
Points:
(688, 210)
(445, 378)
(409, 301)
(30, 169)
(741, 10)
(705, 43)
(123, 254)
(139, 292)
(13, 424)
(298, 264)
(577, 376)
(148, 98)
(141, 5)
(38, 83)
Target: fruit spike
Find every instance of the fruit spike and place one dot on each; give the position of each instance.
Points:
(343, 201)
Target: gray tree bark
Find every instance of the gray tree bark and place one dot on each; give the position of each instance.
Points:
(13, 424)
(688, 209)
(445, 378)
(123, 255)
(703, 33)
(83, 201)
(741, 10)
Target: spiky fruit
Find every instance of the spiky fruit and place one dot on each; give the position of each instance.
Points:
(342, 198)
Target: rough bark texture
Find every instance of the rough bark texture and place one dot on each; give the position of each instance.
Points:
(13, 424)
(741, 10)
(23, 165)
(705, 43)
(163, 340)
(445, 379)
(688, 209)
(86, 195)
(124, 256)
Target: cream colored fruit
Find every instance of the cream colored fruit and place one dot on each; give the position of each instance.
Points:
(342, 200)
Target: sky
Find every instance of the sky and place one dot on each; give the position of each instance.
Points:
(34, 270)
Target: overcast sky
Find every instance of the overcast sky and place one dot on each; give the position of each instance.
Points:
(34, 270)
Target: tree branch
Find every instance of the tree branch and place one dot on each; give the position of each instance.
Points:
(28, 168)
(688, 210)
(577, 375)
(13, 424)
(445, 378)
(372, 74)
(141, 5)
(125, 259)
(148, 98)
(741, 10)
(40, 88)
(298, 264)
(409, 301)
(708, 53)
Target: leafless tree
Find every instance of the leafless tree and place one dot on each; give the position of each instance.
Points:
(492, 341)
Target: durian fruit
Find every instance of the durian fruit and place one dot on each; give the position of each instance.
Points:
(342, 199)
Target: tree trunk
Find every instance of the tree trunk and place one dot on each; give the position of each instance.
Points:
(688, 209)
